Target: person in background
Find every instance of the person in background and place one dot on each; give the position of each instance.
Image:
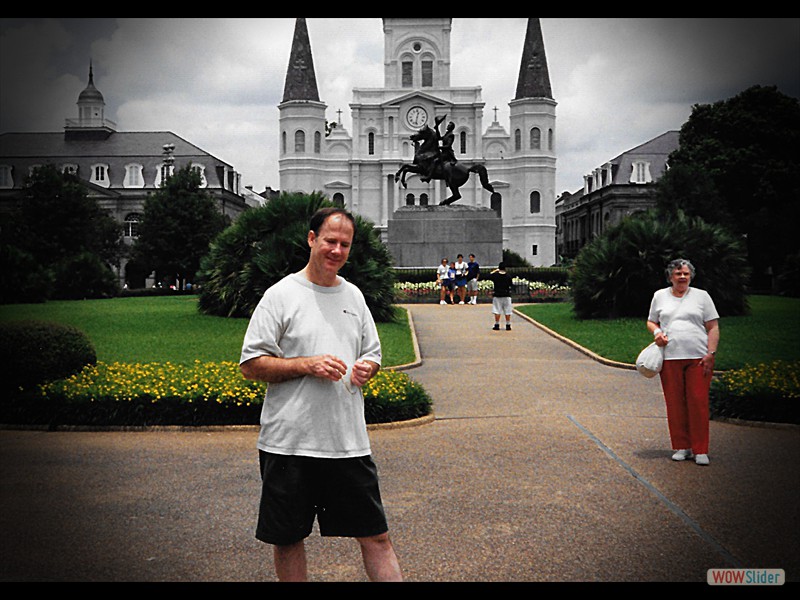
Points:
(685, 322)
(461, 278)
(501, 297)
(312, 338)
(442, 279)
(473, 274)
(451, 281)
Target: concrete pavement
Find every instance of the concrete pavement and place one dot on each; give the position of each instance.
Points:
(542, 465)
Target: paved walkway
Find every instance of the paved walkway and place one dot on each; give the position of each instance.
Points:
(542, 465)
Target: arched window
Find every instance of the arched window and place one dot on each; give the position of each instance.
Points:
(131, 225)
(496, 204)
(463, 142)
(423, 199)
(371, 143)
(300, 141)
(536, 139)
(338, 199)
(517, 140)
(409, 199)
(427, 73)
(550, 139)
(536, 202)
(317, 142)
(283, 143)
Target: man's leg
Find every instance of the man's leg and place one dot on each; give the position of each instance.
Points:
(290, 562)
(380, 560)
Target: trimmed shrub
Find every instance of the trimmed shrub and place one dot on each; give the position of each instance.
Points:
(35, 352)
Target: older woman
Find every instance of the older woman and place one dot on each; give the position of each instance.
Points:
(684, 320)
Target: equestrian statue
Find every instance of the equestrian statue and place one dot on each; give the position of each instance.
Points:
(434, 162)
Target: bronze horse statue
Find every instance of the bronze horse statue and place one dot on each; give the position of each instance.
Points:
(454, 174)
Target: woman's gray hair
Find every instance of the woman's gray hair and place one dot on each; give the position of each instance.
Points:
(677, 264)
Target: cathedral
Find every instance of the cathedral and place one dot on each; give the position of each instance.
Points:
(358, 170)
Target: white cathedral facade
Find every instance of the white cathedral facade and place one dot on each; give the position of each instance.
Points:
(358, 171)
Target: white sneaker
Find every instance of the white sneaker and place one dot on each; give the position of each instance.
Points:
(682, 455)
(701, 459)
(462, 302)
(442, 302)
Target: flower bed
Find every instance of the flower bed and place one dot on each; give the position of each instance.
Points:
(524, 291)
(202, 393)
(761, 392)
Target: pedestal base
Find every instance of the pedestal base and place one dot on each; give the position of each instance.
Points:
(420, 236)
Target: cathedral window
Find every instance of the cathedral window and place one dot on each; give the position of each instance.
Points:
(299, 141)
(371, 143)
(407, 74)
(536, 202)
(550, 139)
(536, 139)
(517, 140)
(462, 138)
(338, 199)
(497, 204)
(427, 73)
(283, 142)
(409, 199)
(423, 199)
(317, 142)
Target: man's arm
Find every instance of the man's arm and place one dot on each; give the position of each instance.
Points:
(275, 370)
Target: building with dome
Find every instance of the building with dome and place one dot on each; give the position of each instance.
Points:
(357, 170)
(119, 169)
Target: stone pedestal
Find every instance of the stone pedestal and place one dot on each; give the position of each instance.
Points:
(420, 236)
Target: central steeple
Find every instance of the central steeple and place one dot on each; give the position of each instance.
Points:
(301, 82)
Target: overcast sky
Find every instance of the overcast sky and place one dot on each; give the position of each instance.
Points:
(217, 82)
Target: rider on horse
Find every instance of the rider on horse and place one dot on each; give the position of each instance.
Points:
(442, 155)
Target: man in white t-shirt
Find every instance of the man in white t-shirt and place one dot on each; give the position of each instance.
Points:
(313, 339)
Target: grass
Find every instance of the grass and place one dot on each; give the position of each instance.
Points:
(171, 329)
(769, 333)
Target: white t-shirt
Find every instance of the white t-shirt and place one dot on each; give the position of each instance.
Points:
(461, 269)
(310, 416)
(683, 320)
(441, 272)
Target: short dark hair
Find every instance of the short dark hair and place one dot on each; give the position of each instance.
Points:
(502, 266)
(318, 218)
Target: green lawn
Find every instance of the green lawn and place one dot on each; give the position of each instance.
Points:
(769, 333)
(171, 329)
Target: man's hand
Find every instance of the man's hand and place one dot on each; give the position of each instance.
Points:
(363, 371)
(326, 366)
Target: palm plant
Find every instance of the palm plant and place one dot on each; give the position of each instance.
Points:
(616, 274)
(267, 243)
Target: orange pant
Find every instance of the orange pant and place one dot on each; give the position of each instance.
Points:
(686, 394)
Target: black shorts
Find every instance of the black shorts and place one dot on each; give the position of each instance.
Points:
(342, 493)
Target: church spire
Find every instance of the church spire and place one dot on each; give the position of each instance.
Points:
(534, 78)
(301, 82)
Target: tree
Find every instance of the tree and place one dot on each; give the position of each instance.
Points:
(269, 242)
(54, 226)
(616, 274)
(738, 165)
(179, 221)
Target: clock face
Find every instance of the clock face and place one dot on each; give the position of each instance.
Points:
(416, 117)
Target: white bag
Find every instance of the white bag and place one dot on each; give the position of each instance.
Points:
(650, 360)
